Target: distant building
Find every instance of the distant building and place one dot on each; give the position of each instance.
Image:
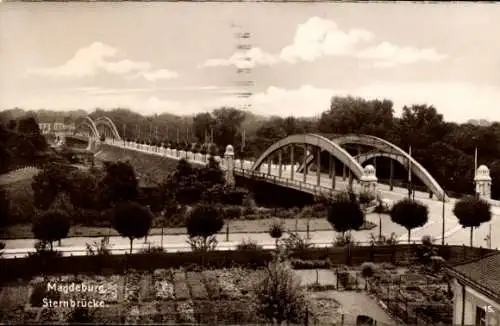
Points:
(45, 128)
(476, 288)
(56, 127)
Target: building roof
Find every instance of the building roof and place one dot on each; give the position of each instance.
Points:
(482, 273)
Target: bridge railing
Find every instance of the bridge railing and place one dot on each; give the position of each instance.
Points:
(241, 167)
(317, 190)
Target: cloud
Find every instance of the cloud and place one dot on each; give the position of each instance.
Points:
(99, 57)
(318, 37)
(387, 55)
(244, 59)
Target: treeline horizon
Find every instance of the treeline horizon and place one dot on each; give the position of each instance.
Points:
(446, 149)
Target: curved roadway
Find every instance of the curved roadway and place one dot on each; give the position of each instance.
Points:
(454, 233)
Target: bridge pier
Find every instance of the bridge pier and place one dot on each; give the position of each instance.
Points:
(229, 158)
(292, 162)
(280, 167)
(483, 182)
(332, 172)
(369, 180)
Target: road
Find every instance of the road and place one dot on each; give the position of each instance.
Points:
(454, 234)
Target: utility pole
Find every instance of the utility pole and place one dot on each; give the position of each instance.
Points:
(409, 174)
(443, 212)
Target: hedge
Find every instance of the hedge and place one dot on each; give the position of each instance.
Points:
(27, 267)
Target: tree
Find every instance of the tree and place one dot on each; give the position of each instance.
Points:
(51, 225)
(119, 184)
(49, 183)
(83, 187)
(472, 212)
(279, 295)
(227, 126)
(170, 209)
(354, 114)
(203, 222)
(368, 269)
(276, 230)
(345, 213)
(184, 184)
(409, 214)
(203, 123)
(132, 220)
(211, 174)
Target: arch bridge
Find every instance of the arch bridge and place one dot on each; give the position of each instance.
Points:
(94, 129)
(384, 148)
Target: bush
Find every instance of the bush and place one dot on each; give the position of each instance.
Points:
(342, 240)
(279, 296)
(203, 222)
(101, 248)
(249, 245)
(152, 250)
(294, 242)
(51, 225)
(232, 212)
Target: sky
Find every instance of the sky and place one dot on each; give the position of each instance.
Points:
(183, 58)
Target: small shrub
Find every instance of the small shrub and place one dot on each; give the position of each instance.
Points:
(249, 245)
(294, 242)
(392, 239)
(99, 248)
(152, 250)
(198, 243)
(342, 240)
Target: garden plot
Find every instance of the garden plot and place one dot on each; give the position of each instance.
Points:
(163, 296)
(312, 276)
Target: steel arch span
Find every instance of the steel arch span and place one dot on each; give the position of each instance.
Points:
(314, 140)
(387, 149)
(105, 121)
(90, 124)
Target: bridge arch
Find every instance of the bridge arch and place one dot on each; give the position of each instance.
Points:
(389, 150)
(314, 140)
(110, 124)
(89, 123)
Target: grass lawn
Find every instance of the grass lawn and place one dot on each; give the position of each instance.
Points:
(23, 231)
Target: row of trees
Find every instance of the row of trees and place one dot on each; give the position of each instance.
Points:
(445, 149)
(113, 197)
(346, 212)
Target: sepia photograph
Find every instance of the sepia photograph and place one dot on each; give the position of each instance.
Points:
(249, 163)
